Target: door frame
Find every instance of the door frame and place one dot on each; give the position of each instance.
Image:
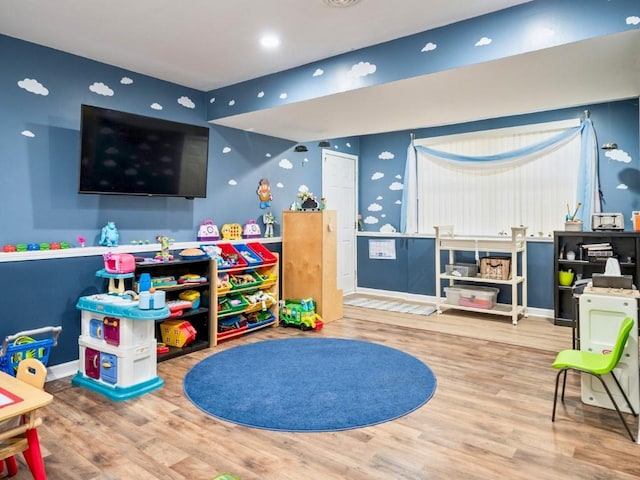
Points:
(325, 175)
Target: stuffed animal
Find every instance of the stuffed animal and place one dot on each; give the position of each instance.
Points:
(110, 235)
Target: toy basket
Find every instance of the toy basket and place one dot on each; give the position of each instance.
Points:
(27, 344)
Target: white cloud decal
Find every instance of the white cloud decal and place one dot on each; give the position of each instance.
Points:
(28, 133)
(348, 145)
(156, 106)
(232, 103)
(622, 186)
(101, 89)
(618, 155)
(379, 197)
(186, 102)
(370, 220)
(232, 182)
(362, 69)
(386, 156)
(399, 177)
(283, 95)
(268, 155)
(398, 202)
(483, 41)
(388, 228)
(318, 72)
(226, 150)
(286, 164)
(396, 186)
(633, 20)
(303, 188)
(126, 81)
(374, 207)
(212, 100)
(31, 85)
(429, 47)
(260, 94)
(377, 176)
(280, 185)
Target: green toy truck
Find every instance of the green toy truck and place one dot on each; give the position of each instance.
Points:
(300, 313)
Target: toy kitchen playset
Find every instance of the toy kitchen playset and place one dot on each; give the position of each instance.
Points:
(118, 356)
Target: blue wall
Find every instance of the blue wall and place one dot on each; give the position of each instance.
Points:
(529, 27)
(41, 91)
(382, 160)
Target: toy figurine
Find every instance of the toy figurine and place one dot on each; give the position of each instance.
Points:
(269, 220)
(110, 235)
(264, 193)
(164, 254)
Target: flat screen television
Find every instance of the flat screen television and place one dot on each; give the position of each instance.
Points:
(126, 154)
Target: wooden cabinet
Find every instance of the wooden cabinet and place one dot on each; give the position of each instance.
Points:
(174, 273)
(309, 260)
(570, 254)
(514, 247)
(246, 297)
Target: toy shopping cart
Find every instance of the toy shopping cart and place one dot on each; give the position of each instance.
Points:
(27, 344)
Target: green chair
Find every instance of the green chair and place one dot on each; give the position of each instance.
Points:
(596, 364)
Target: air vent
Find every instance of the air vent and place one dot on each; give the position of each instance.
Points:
(341, 3)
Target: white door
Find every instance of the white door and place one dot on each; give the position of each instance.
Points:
(339, 187)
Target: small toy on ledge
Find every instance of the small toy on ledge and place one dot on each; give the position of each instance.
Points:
(109, 236)
(82, 242)
(164, 254)
(208, 231)
(251, 230)
(231, 231)
(269, 220)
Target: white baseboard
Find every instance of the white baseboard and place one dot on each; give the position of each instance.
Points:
(62, 370)
(414, 297)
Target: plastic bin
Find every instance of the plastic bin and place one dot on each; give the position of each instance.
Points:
(267, 257)
(252, 259)
(462, 270)
(472, 296)
(230, 258)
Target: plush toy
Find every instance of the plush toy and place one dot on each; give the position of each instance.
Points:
(110, 235)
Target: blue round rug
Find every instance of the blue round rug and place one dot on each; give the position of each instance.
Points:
(309, 384)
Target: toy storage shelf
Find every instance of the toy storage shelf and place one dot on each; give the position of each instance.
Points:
(625, 248)
(200, 317)
(265, 274)
(514, 246)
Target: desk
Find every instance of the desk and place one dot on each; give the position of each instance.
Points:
(32, 399)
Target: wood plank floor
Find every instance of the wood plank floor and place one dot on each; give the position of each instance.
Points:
(490, 417)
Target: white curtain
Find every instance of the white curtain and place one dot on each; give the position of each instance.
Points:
(529, 182)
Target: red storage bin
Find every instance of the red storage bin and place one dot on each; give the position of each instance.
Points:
(227, 251)
(267, 257)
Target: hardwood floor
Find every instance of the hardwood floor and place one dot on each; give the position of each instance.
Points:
(490, 417)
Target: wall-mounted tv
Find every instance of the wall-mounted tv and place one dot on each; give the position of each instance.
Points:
(126, 154)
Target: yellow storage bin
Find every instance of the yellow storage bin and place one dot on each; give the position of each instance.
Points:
(177, 333)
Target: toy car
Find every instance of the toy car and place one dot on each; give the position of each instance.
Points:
(300, 313)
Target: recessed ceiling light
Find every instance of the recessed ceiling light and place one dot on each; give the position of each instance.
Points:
(269, 40)
(341, 3)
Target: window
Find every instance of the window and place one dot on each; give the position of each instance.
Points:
(487, 198)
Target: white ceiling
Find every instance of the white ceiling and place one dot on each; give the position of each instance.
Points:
(207, 44)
